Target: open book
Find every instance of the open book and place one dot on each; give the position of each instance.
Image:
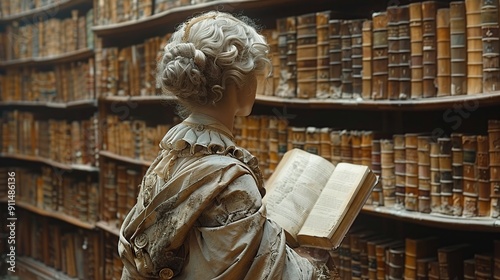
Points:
(314, 201)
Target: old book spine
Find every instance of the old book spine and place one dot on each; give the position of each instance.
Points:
(273, 144)
(424, 171)
(381, 251)
(416, 249)
(323, 57)
(429, 11)
(494, 160)
(399, 169)
(366, 148)
(306, 55)
(335, 52)
(388, 172)
(367, 59)
(445, 175)
(297, 138)
(435, 178)
(377, 197)
(483, 180)
(357, 56)
(411, 171)
(312, 142)
(393, 52)
(404, 52)
(469, 143)
(346, 58)
(469, 269)
(474, 47)
(423, 267)
(282, 137)
(325, 144)
(345, 258)
(458, 48)
(457, 173)
(416, 43)
(345, 146)
(287, 46)
(484, 265)
(443, 78)
(253, 136)
(356, 146)
(380, 56)
(451, 260)
(491, 47)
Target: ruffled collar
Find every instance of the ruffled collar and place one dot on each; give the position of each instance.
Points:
(200, 135)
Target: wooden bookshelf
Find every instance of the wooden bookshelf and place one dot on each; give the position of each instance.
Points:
(46, 10)
(28, 267)
(78, 104)
(124, 159)
(75, 167)
(156, 99)
(49, 60)
(108, 228)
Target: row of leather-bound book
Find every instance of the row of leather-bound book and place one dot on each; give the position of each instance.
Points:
(67, 249)
(457, 175)
(366, 254)
(47, 36)
(62, 141)
(55, 190)
(420, 50)
(65, 83)
(13, 7)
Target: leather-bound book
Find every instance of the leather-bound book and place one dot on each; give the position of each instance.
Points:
(494, 148)
(282, 137)
(404, 52)
(345, 146)
(393, 52)
(474, 47)
(457, 173)
(415, 249)
(382, 252)
(272, 150)
(458, 52)
(263, 146)
(399, 169)
(346, 58)
(435, 178)
(366, 147)
(469, 144)
(424, 171)
(416, 44)
(312, 143)
(395, 258)
(322, 54)
(336, 146)
(443, 55)
(491, 46)
(429, 12)
(469, 269)
(451, 260)
(380, 56)
(411, 171)
(483, 172)
(445, 175)
(356, 31)
(377, 197)
(367, 59)
(287, 46)
(423, 267)
(325, 144)
(335, 52)
(356, 146)
(306, 55)
(388, 172)
(372, 255)
(484, 265)
(297, 137)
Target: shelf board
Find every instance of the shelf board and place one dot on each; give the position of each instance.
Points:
(46, 10)
(49, 60)
(77, 104)
(56, 215)
(107, 227)
(139, 99)
(436, 220)
(434, 103)
(125, 159)
(41, 270)
(76, 167)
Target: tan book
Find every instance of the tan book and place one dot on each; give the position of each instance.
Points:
(491, 46)
(323, 55)
(380, 61)
(357, 56)
(451, 259)
(393, 52)
(287, 46)
(474, 47)
(443, 78)
(404, 52)
(415, 249)
(335, 52)
(429, 11)
(346, 58)
(458, 48)
(335, 195)
(367, 60)
(307, 52)
(416, 43)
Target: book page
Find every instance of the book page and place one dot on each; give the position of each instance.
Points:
(294, 187)
(334, 202)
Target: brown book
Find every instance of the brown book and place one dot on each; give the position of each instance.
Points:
(367, 59)
(356, 146)
(429, 11)
(399, 169)
(445, 175)
(424, 171)
(494, 160)
(377, 197)
(458, 48)
(372, 255)
(273, 149)
(346, 58)
(423, 267)
(380, 70)
(435, 178)
(393, 52)
(483, 172)
(404, 52)
(357, 56)
(345, 146)
(491, 46)
(335, 52)
(325, 144)
(411, 171)
(474, 47)
(470, 187)
(416, 249)
(469, 269)
(323, 56)
(287, 47)
(296, 137)
(382, 251)
(451, 260)
(306, 55)
(312, 143)
(388, 172)
(416, 43)
(457, 172)
(443, 55)
(310, 229)
(484, 265)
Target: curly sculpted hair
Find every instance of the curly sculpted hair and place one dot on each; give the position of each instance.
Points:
(206, 53)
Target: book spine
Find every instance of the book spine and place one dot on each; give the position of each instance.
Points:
(424, 171)
(377, 197)
(404, 52)
(312, 140)
(263, 146)
(469, 143)
(367, 60)
(416, 43)
(399, 169)
(346, 154)
(457, 173)
(287, 46)
(494, 160)
(474, 47)
(483, 265)
(273, 144)
(357, 56)
(491, 47)
(323, 57)
(335, 52)
(325, 144)
(429, 11)
(396, 261)
(483, 180)
(451, 259)
(388, 172)
(469, 269)
(306, 55)
(380, 56)
(443, 78)
(435, 178)
(356, 146)
(458, 48)
(346, 58)
(445, 175)
(393, 52)
(411, 171)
